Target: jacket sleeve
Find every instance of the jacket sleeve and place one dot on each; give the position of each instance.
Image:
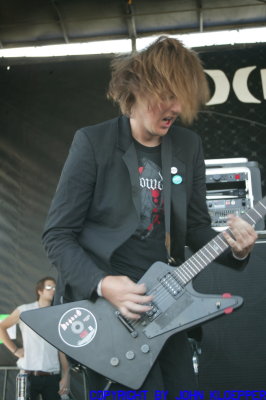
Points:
(199, 231)
(78, 272)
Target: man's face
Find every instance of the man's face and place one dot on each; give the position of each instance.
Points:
(152, 120)
(48, 290)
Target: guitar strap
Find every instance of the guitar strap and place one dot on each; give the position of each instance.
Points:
(166, 171)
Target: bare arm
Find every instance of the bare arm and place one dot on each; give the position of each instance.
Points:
(64, 383)
(8, 322)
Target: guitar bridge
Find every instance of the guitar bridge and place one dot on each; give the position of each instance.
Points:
(153, 312)
(126, 324)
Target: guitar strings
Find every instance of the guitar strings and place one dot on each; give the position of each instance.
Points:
(160, 292)
(181, 276)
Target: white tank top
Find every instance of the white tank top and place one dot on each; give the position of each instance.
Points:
(38, 354)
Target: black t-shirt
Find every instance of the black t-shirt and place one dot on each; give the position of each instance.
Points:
(147, 244)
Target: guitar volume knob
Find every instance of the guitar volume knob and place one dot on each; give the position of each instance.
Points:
(114, 361)
(130, 355)
(145, 348)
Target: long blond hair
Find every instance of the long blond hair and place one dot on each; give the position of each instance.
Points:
(164, 69)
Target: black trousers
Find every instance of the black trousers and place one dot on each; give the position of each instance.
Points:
(172, 373)
(46, 385)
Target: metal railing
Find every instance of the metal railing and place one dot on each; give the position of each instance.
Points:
(6, 370)
(77, 369)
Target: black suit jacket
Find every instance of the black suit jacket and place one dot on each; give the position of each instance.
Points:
(96, 206)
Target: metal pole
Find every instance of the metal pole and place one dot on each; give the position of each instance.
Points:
(6, 369)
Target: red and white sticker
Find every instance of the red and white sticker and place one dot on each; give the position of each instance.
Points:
(77, 327)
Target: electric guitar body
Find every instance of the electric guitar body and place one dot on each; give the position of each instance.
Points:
(99, 337)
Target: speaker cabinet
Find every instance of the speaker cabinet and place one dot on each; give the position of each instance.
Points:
(234, 345)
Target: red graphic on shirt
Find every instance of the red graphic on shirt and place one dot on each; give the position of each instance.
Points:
(151, 184)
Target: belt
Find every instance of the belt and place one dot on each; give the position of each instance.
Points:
(40, 373)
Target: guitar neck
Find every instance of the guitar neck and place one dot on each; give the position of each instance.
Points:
(203, 257)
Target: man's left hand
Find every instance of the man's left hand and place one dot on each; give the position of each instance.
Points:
(64, 384)
(243, 236)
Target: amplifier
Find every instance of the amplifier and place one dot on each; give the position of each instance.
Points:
(233, 187)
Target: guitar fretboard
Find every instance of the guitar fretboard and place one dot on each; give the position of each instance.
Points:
(203, 257)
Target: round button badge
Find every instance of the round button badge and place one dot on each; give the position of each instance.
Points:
(174, 170)
(177, 179)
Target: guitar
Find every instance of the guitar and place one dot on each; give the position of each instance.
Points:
(99, 337)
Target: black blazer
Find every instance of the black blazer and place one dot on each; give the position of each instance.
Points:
(96, 206)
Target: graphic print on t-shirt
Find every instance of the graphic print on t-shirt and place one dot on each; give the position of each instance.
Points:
(151, 184)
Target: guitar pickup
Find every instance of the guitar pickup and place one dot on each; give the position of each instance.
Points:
(170, 283)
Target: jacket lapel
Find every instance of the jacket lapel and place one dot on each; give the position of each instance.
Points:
(166, 171)
(174, 194)
(126, 144)
(131, 161)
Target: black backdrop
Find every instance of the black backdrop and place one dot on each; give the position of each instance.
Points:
(41, 106)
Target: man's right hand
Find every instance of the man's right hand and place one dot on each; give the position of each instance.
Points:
(128, 297)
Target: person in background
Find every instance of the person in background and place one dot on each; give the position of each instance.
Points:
(133, 192)
(47, 369)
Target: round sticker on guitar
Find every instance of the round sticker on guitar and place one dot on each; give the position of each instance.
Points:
(77, 327)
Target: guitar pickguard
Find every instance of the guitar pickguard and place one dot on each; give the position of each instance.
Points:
(192, 308)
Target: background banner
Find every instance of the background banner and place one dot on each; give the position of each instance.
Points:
(43, 103)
